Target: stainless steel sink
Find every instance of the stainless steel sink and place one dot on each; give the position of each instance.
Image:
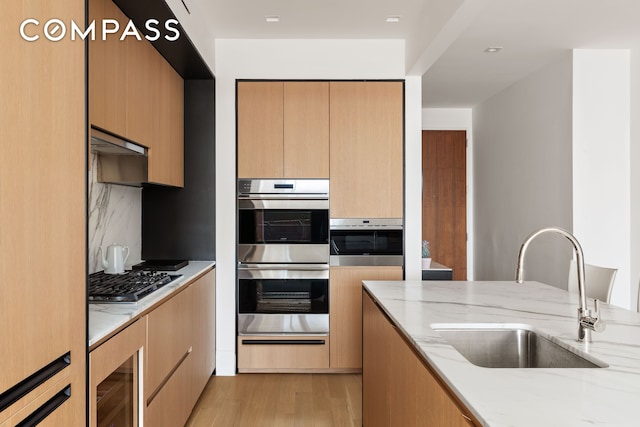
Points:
(499, 346)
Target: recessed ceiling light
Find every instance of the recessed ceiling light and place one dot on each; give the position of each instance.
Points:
(394, 18)
(493, 49)
(272, 18)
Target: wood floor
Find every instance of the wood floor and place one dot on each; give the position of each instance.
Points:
(276, 400)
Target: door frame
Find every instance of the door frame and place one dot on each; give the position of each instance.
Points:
(456, 119)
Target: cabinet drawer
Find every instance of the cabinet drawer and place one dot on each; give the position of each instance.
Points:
(172, 405)
(282, 353)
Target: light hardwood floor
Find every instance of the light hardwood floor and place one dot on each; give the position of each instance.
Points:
(280, 400)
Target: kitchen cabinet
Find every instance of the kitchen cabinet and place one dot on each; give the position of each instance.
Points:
(366, 149)
(282, 353)
(112, 366)
(180, 352)
(42, 215)
(345, 308)
(398, 386)
(168, 351)
(204, 332)
(283, 129)
(135, 94)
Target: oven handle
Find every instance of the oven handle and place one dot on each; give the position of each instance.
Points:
(283, 342)
(279, 271)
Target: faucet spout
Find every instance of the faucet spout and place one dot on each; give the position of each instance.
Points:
(586, 322)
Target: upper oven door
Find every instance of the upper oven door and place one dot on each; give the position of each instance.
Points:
(283, 231)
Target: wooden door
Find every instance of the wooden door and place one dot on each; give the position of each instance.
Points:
(444, 195)
(366, 138)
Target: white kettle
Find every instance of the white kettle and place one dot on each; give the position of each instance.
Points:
(113, 262)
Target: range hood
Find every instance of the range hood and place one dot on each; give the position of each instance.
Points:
(120, 161)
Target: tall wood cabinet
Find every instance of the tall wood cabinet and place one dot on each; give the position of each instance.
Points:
(345, 307)
(135, 94)
(283, 129)
(398, 387)
(366, 149)
(42, 216)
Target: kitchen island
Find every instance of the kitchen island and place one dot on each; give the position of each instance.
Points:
(519, 396)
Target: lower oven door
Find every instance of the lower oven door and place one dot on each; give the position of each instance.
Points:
(283, 299)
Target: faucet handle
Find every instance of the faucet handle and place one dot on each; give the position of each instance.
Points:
(595, 322)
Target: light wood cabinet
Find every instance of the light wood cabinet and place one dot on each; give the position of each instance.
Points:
(204, 332)
(398, 387)
(107, 358)
(169, 340)
(260, 129)
(42, 212)
(366, 149)
(283, 129)
(173, 404)
(306, 130)
(135, 94)
(345, 307)
(261, 353)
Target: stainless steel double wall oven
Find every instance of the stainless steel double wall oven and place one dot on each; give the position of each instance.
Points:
(283, 256)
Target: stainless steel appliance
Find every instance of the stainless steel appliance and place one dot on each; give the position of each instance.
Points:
(131, 286)
(119, 161)
(283, 221)
(280, 299)
(363, 241)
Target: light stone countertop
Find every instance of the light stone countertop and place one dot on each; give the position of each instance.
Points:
(104, 319)
(522, 397)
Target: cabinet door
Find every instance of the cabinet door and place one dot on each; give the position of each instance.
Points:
(169, 338)
(260, 129)
(42, 203)
(204, 331)
(345, 307)
(108, 60)
(366, 149)
(105, 359)
(166, 150)
(306, 129)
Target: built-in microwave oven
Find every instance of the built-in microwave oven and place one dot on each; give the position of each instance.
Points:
(366, 241)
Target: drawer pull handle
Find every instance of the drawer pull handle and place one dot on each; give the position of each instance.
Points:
(283, 342)
(30, 383)
(45, 410)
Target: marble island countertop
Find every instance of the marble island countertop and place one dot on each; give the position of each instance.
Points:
(522, 397)
(105, 319)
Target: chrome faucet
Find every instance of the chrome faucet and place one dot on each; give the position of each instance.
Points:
(588, 320)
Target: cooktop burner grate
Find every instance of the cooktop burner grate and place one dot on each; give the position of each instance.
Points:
(131, 286)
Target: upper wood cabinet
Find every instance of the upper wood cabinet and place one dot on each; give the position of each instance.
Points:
(283, 129)
(366, 149)
(134, 93)
(42, 215)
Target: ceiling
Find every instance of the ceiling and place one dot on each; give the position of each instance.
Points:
(531, 33)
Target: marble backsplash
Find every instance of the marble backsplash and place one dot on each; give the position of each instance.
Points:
(115, 215)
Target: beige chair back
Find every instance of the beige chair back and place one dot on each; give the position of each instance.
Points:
(598, 280)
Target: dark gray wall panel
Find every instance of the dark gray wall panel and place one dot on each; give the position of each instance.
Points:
(179, 223)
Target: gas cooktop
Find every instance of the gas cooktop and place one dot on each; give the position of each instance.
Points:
(131, 286)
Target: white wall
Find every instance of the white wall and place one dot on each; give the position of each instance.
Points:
(457, 119)
(197, 27)
(522, 176)
(601, 162)
(286, 59)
